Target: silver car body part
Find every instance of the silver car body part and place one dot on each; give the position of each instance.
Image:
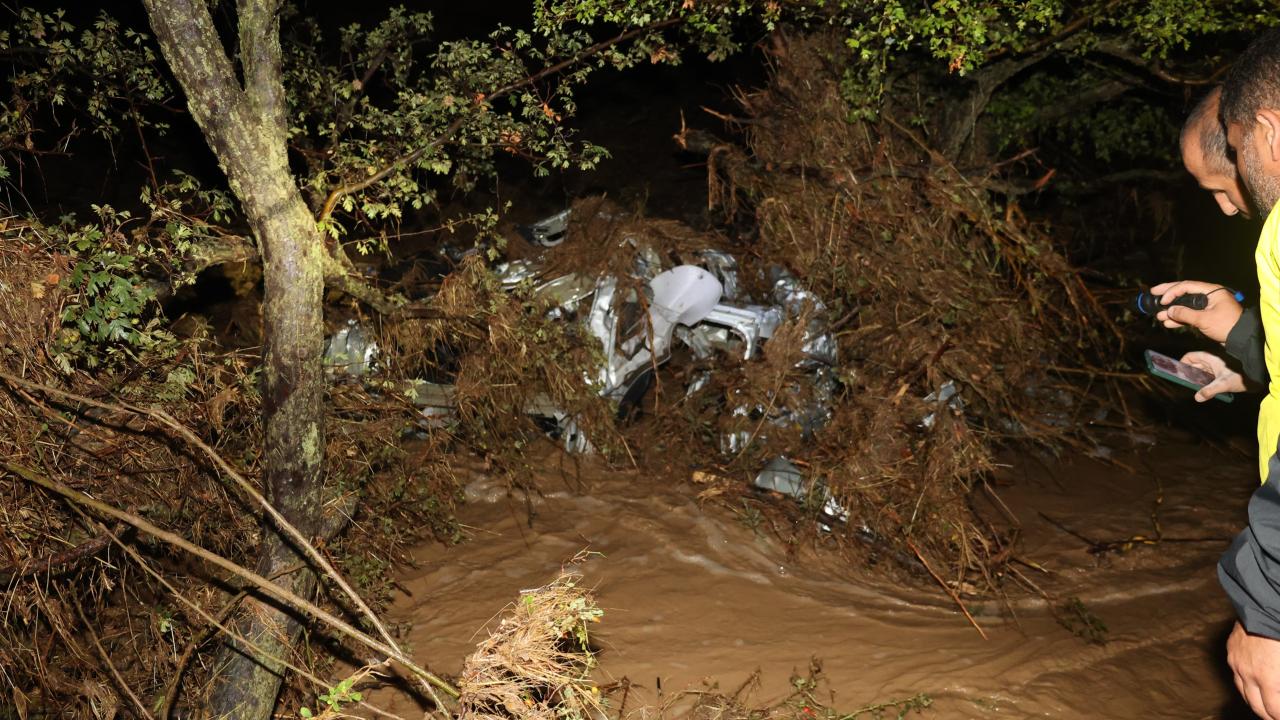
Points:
(549, 231)
(514, 272)
(782, 476)
(725, 267)
(350, 351)
(819, 344)
(751, 323)
(947, 395)
(699, 306)
(683, 295)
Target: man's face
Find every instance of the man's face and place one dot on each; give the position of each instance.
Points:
(1260, 176)
(1225, 187)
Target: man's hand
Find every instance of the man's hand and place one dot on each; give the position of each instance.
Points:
(1255, 660)
(1225, 379)
(1214, 322)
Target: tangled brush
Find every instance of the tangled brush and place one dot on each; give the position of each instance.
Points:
(954, 312)
(537, 664)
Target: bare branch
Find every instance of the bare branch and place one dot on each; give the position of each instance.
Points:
(1081, 101)
(269, 588)
(241, 482)
(1121, 51)
(216, 623)
(960, 125)
(221, 250)
(57, 562)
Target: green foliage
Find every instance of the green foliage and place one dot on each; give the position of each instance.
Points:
(330, 704)
(576, 613)
(967, 35)
(111, 309)
(106, 72)
(188, 221)
(452, 110)
(383, 116)
(1043, 109)
(389, 112)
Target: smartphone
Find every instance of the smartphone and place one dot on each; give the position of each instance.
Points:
(1163, 366)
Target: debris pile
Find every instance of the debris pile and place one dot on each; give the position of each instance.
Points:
(951, 309)
(874, 320)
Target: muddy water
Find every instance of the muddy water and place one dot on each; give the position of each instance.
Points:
(693, 596)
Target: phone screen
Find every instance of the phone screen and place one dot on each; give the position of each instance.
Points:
(1179, 372)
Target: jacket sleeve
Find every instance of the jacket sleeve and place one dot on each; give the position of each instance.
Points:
(1250, 569)
(1244, 343)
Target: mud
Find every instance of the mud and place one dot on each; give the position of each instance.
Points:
(695, 597)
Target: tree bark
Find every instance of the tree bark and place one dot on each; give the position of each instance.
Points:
(246, 129)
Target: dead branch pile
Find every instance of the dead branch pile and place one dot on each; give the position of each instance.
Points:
(64, 576)
(928, 281)
(951, 313)
(90, 629)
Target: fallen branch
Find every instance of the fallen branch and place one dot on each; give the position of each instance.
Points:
(171, 690)
(61, 561)
(175, 682)
(947, 589)
(240, 481)
(245, 642)
(269, 588)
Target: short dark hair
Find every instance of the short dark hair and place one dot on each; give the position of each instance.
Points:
(1212, 134)
(1254, 80)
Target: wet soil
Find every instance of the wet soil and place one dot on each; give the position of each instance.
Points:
(695, 597)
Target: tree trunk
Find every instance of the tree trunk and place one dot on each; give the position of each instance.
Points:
(245, 127)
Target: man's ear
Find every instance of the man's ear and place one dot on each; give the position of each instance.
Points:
(1269, 120)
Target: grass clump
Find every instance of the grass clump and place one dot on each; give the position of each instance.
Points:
(537, 664)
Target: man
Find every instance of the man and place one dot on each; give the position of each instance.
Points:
(1250, 569)
(1204, 153)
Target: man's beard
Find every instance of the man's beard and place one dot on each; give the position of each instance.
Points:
(1265, 189)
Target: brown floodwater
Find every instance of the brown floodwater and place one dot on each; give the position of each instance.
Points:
(693, 596)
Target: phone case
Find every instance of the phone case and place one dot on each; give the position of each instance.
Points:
(1163, 366)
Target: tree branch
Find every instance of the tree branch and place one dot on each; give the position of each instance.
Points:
(287, 528)
(259, 22)
(197, 57)
(1078, 102)
(270, 589)
(408, 159)
(1113, 47)
(220, 250)
(218, 624)
(960, 125)
(347, 280)
(60, 561)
